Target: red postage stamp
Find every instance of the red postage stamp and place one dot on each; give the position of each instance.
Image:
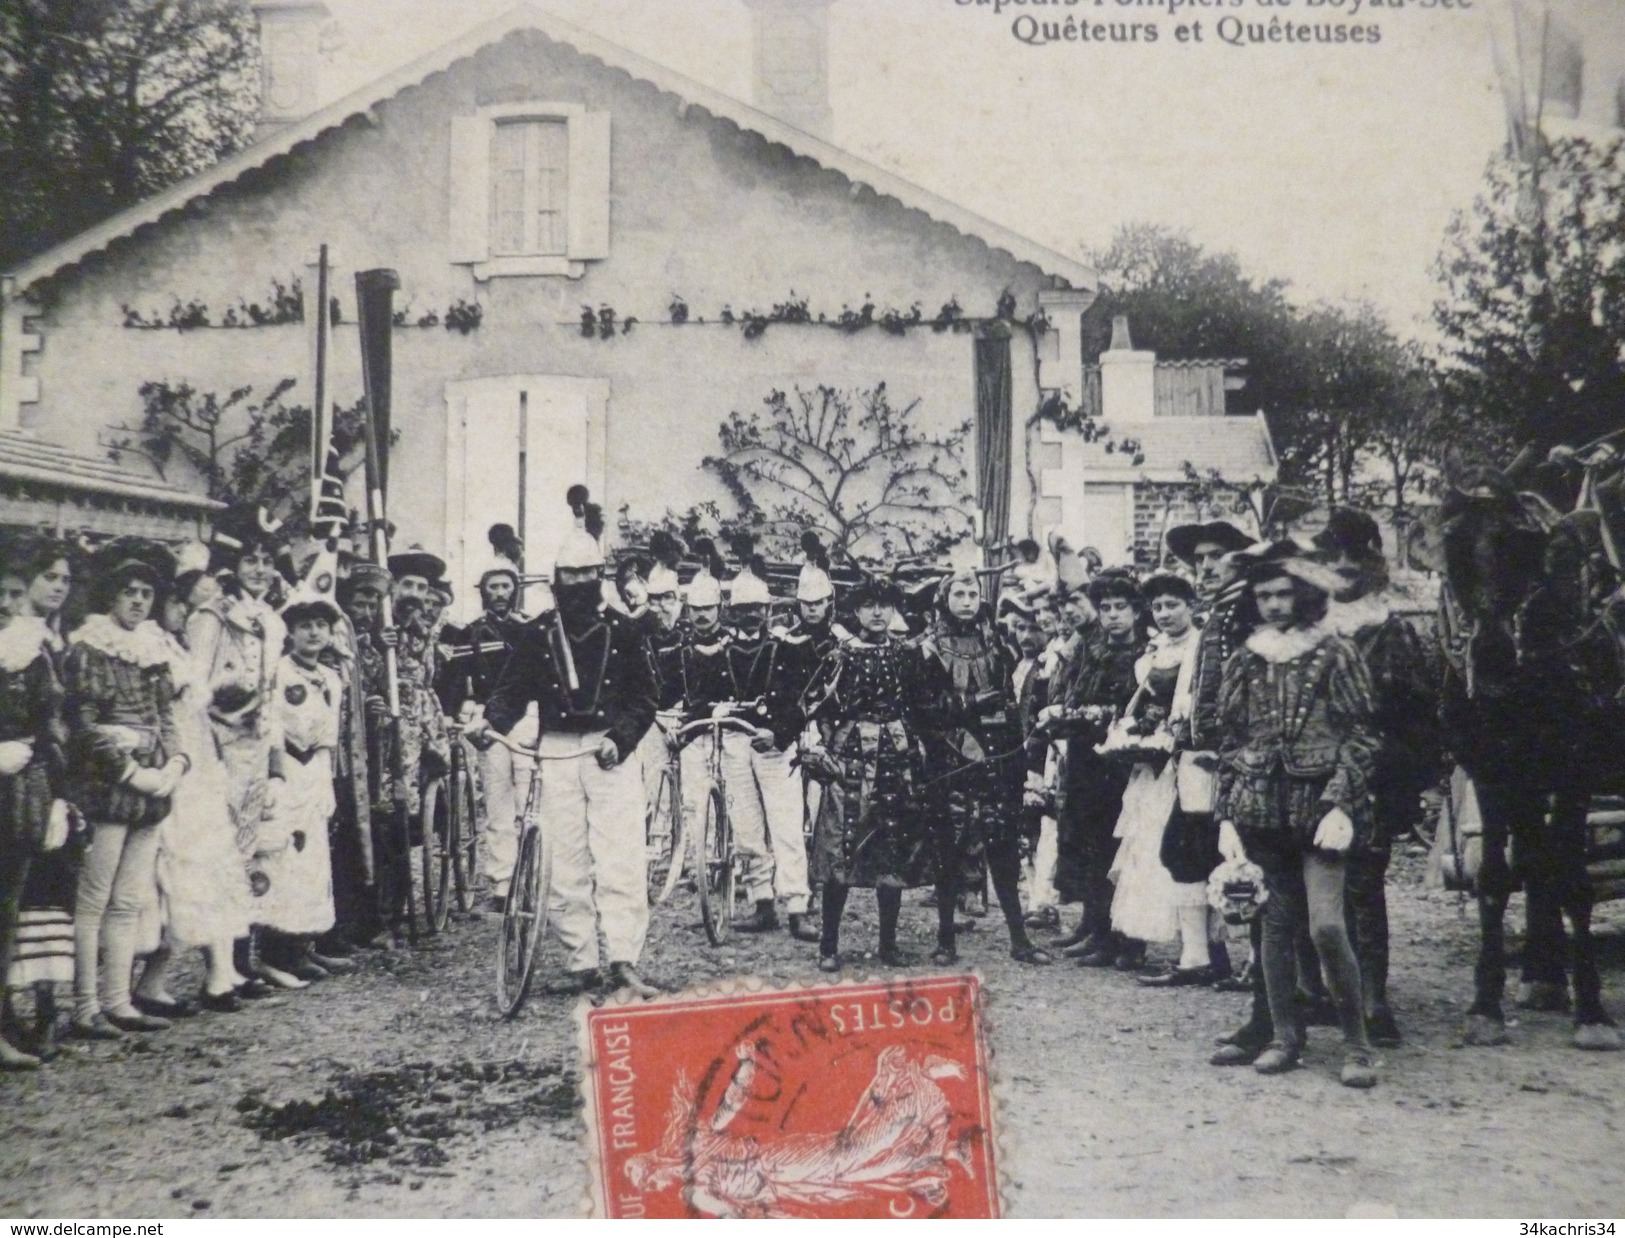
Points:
(849, 1100)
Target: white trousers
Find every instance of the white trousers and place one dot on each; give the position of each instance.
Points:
(504, 782)
(594, 819)
(765, 804)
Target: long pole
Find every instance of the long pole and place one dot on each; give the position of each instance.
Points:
(321, 433)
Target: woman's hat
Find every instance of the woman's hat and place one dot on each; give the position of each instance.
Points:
(1350, 532)
(1183, 539)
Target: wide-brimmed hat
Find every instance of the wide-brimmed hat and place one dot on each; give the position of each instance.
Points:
(1351, 532)
(1183, 539)
(129, 558)
(416, 561)
(1287, 558)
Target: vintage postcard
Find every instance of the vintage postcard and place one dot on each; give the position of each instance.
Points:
(1020, 601)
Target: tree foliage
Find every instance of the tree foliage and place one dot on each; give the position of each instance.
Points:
(850, 464)
(1532, 295)
(103, 102)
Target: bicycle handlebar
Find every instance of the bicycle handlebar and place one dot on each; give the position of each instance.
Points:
(535, 754)
(723, 723)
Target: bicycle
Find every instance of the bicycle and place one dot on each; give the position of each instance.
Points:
(665, 843)
(450, 840)
(524, 918)
(717, 863)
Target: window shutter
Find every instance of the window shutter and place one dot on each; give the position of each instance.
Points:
(588, 218)
(470, 189)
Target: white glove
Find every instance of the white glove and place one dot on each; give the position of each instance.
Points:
(148, 782)
(1335, 831)
(273, 790)
(1230, 842)
(15, 754)
(762, 740)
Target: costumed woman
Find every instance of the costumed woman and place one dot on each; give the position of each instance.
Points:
(202, 883)
(873, 701)
(125, 762)
(983, 770)
(236, 637)
(1297, 751)
(1145, 905)
(32, 571)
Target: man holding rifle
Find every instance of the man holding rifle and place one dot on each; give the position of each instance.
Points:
(585, 667)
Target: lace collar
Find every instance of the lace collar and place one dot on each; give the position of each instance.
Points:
(22, 640)
(144, 646)
(1276, 646)
(1370, 611)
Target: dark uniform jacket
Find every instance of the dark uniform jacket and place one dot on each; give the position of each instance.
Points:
(473, 656)
(616, 692)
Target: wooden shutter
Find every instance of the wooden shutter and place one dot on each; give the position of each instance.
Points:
(469, 197)
(588, 219)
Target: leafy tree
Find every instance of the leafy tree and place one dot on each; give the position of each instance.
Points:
(1532, 295)
(103, 102)
(243, 450)
(851, 465)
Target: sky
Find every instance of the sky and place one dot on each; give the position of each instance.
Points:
(1335, 168)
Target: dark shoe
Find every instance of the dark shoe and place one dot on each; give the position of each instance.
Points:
(333, 965)
(137, 1022)
(1277, 1059)
(221, 1003)
(255, 988)
(14, 1059)
(764, 920)
(334, 947)
(96, 1027)
(163, 1010)
(895, 957)
(802, 929)
(1359, 1069)
(625, 976)
(1236, 1055)
(1090, 944)
(1381, 1028)
(574, 983)
(1131, 958)
(1257, 1034)
(1099, 956)
(307, 968)
(1178, 978)
(829, 962)
(1043, 919)
(945, 955)
(1033, 956)
(280, 979)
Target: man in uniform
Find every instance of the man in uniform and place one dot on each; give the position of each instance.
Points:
(765, 784)
(475, 656)
(585, 667)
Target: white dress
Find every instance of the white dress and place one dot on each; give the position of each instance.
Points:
(1144, 905)
(202, 884)
(295, 855)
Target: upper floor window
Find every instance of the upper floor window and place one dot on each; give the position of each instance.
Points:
(529, 189)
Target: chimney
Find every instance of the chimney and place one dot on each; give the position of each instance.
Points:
(290, 56)
(1128, 379)
(790, 73)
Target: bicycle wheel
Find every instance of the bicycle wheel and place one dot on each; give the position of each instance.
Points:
(465, 839)
(716, 870)
(437, 854)
(665, 841)
(524, 921)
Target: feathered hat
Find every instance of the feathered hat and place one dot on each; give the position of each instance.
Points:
(813, 584)
(749, 588)
(580, 547)
(239, 530)
(706, 588)
(667, 551)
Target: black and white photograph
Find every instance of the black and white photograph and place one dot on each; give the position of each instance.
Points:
(812, 609)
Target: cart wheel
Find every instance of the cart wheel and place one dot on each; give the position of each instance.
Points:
(665, 841)
(437, 854)
(524, 921)
(716, 865)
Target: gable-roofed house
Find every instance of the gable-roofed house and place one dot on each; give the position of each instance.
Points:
(522, 175)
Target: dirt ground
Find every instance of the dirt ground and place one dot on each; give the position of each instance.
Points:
(399, 1092)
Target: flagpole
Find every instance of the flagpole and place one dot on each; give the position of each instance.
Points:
(320, 413)
(375, 292)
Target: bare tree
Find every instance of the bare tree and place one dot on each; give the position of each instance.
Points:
(851, 465)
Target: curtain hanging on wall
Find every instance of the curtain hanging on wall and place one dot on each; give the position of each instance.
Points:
(993, 434)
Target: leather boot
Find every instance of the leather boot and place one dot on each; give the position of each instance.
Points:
(764, 920)
(801, 928)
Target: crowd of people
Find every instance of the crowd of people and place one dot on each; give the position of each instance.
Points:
(215, 748)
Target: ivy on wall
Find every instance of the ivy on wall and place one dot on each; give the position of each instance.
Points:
(284, 306)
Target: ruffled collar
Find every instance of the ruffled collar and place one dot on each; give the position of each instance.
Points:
(145, 645)
(22, 640)
(246, 613)
(1276, 646)
(1370, 611)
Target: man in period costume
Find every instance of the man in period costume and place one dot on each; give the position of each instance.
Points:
(585, 667)
(425, 749)
(474, 655)
(1406, 701)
